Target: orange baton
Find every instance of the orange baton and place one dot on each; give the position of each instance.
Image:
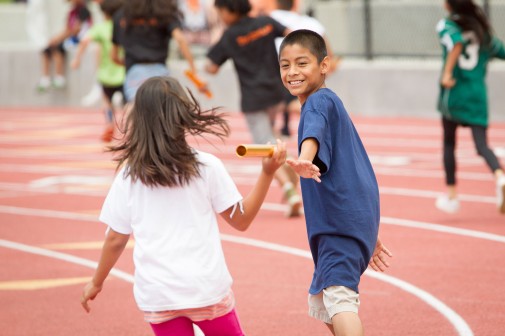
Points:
(254, 150)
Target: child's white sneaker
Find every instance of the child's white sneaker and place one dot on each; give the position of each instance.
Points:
(500, 194)
(445, 204)
(43, 84)
(59, 82)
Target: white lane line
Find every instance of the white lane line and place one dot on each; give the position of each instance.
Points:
(455, 319)
(272, 207)
(62, 256)
(443, 228)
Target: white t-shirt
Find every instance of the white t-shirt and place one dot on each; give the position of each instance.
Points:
(178, 257)
(295, 21)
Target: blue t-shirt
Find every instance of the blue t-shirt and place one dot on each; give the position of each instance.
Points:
(342, 212)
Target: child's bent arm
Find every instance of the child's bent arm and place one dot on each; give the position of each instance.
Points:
(252, 202)
(303, 166)
(179, 37)
(114, 54)
(447, 80)
(112, 249)
(83, 45)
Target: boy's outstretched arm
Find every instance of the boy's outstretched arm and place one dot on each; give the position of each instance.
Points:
(303, 166)
(252, 202)
(378, 262)
(112, 249)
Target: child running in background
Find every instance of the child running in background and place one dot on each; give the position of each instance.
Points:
(250, 43)
(110, 75)
(78, 22)
(144, 29)
(468, 45)
(167, 194)
(339, 188)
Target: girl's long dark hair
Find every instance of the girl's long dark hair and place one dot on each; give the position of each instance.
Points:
(152, 12)
(154, 147)
(470, 16)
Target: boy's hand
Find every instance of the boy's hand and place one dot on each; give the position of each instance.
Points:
(378, 261)
(89, 292)
(305, 169)
(278, 158)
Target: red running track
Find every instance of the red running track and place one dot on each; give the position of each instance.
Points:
(447, 274)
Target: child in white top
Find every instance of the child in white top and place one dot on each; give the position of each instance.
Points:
(167, 194)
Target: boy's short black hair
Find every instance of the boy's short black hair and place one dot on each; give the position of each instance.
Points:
(307, 39)
(241, 7)
(109, 7)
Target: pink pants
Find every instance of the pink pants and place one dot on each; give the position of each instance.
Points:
(226, 325)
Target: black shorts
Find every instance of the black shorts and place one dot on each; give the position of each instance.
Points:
(109, 91)
(50, 50)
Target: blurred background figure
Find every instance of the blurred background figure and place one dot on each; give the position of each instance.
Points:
(110, 75)
(53, 55)
(468, 44)
(143, 30)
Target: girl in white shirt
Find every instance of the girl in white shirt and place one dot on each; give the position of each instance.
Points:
(167, 195)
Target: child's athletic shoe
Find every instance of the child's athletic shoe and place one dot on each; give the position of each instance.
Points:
(500, 194)
(44, 84)
(59, 82)
(293, 200)
(108, 134)
(94, 96)
(445, 204)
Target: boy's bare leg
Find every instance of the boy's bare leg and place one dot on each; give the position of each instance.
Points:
(59, 63)
(347, 324)
(331, 328)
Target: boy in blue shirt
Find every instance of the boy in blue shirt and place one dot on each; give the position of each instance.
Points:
(339, 188)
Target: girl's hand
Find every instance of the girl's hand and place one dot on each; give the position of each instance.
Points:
(447, 81)
(89, 292)
(378, 261)
(278, 158)
(305, 169)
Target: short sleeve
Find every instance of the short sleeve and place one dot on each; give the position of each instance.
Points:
(449, 33)
(279, 28)
(223, 191)
(497, 48)
(218, 53)
(116, 209)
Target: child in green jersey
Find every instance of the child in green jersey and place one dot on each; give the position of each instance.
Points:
(110, 75)
(468, 45)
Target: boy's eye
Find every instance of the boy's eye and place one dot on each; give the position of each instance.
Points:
(302, 64)
(284, 66)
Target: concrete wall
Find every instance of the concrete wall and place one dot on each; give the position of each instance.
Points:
(394, 87)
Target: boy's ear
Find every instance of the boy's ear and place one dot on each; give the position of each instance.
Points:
(325, 65)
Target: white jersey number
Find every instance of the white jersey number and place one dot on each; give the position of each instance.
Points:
(470, 59)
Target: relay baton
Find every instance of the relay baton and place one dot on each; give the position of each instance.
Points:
(198, 82)
(255, 150)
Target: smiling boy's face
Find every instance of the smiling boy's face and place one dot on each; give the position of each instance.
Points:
(301, 73)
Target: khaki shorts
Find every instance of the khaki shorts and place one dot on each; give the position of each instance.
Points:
(331, 301)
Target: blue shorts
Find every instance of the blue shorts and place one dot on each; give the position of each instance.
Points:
(138, 74)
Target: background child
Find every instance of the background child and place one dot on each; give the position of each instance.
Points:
(78, 22)
(144, 29)
(110, 75)
(250, 43)
(166, 194)
(468, 45)
(339, 188)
